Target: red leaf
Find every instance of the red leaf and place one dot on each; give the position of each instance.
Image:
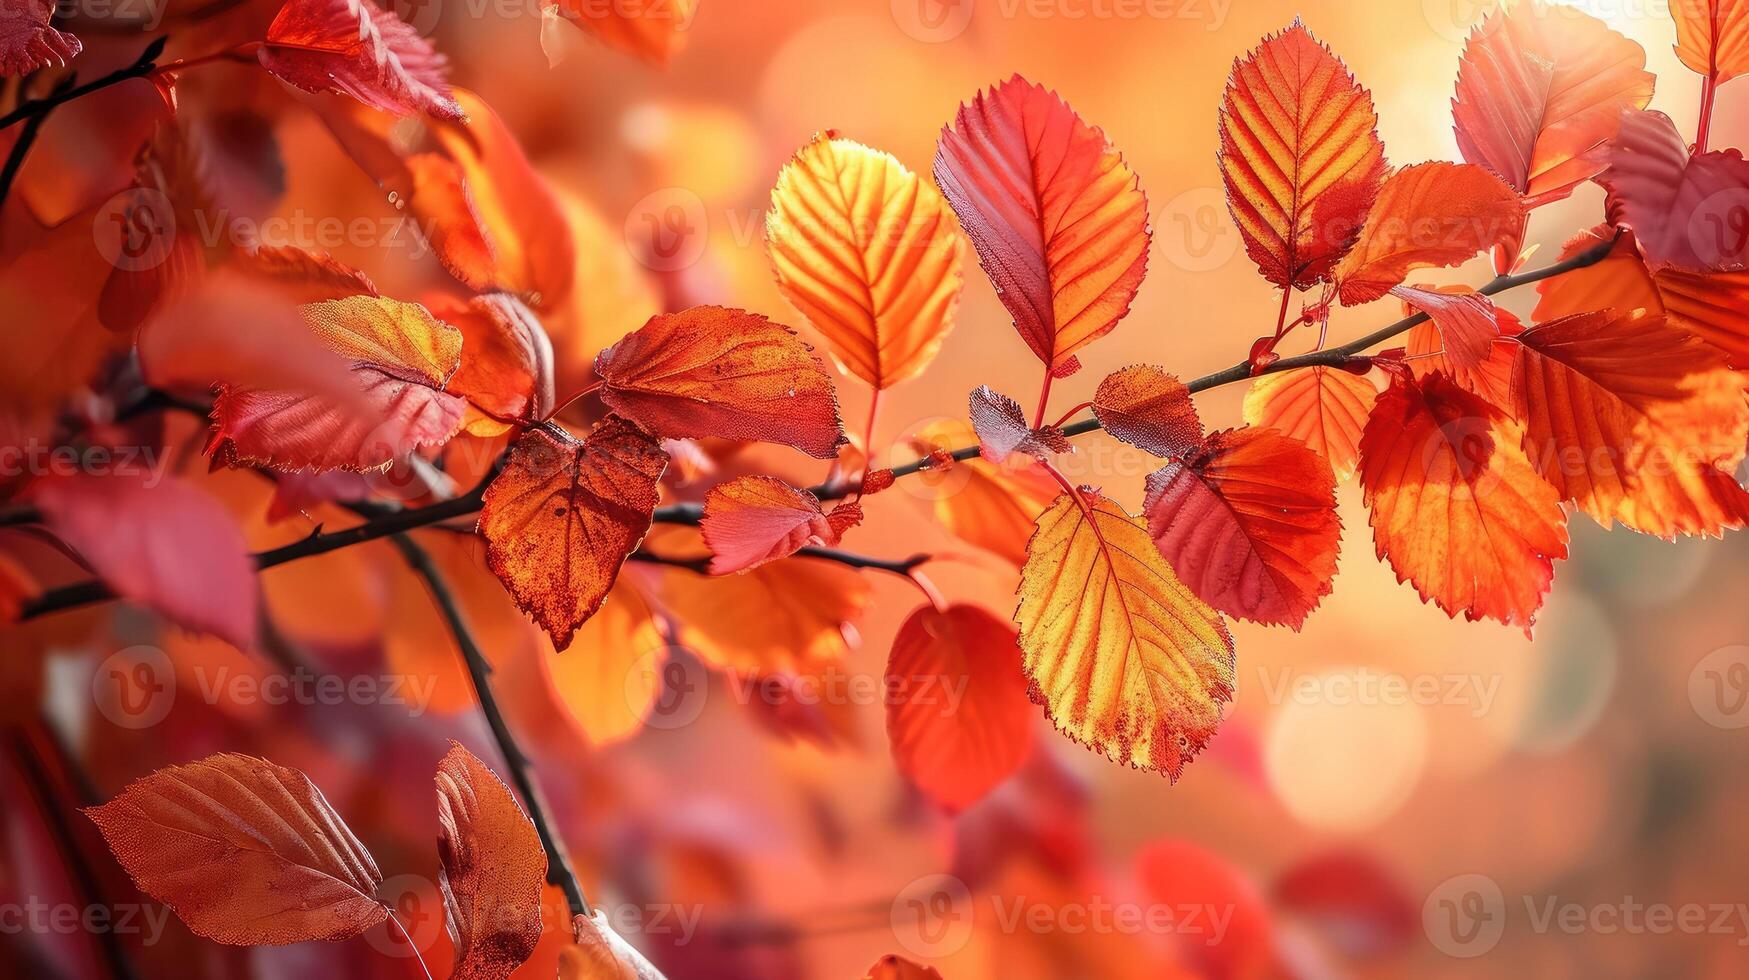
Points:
(507, 363)
(1467, 323)
(1712, 306)
(1457, 508)
(27, 42)
(1620, 280)
(1249, 524)
(651, 31)
(892, 967)
(958, 716)
(1056, 215)
(1300, 156)
(1360, 905)
(444, 211)
(1002, 430)
(755, 519)
(1539, 90)
(714, 371)
(493, 869)
(1428, 216)
(1148, 408)
(165, 545)
(244, 851)
(1691, 212)
(561, 518)
(359, 49)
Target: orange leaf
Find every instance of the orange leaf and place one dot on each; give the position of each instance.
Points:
(1323, 407)
(601, 954)
(309, 276)
(611, 679)
(400, 360)
(1002, 430)
(1249, 523)
(17, 587)
(892, 967)
(755, 519)
(1126, 660)
(1457, 508)
(356, 48)
(443, 210)
(1713, 306)
(244, 851)
(1686, 210)
(1430, 215)
(651, 31)
(1058, 219)
(957, 712)
(1424, 348)
(27, 42)
(1625, 415)
(1148, 408)
(715, 371)
(1539, 89)
(562, 517)
(507, 361)
(1467, 322)
(493, 869)
(1300, 156)
(1712, 36)
(992, 506)
(1620, 281)
(869, 254)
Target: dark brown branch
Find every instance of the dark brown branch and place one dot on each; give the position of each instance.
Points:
(27, 139)
(144, 65)
(559, 871)
(902, 566)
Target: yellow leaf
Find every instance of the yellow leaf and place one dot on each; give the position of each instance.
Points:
(608, 679)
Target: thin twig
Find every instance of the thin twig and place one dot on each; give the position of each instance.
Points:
(559, 871)
(144, 65)
(27, 139)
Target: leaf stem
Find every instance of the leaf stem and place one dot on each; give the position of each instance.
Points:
(1703, 129)
(408, 938)
(1071, 413)
(1044, 398)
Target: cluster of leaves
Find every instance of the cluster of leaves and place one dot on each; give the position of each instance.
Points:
(1623, 398)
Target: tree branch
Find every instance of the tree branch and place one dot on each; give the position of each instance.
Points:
(144, 65)
(902, 566)
(559, 871)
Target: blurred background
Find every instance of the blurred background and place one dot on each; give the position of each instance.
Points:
(1393, 793)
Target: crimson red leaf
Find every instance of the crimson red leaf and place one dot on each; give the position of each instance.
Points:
(1687, 211)
(359, 49)
(27, 42)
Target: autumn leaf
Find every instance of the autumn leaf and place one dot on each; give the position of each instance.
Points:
(958, 716)
(1300, 156)
(1430, 215)
(869, 253)
(1713, 306)
(1457, 508)
(608, 685)
(988, 505)
(493, 867)
(1149, 409)
(1686, 211)
(751, 520)
(1624, 416)
(1058, 219)
(1424, 350)
(1620, 280)
(1467, 322)
(444, 213)
(651, 31)
(602, 954)
(715, 371)
(1323, 407)
(1539, 90)
(1125, 659)
(893, 967)
(1712, 36)
(17, 587)
(1002, 431)
(507, 367)
(400, 358)
(245, 852)
(158, 541)
(357, 48)
(307, 275)
(563, 515)
(27, 42)
(1249, 523)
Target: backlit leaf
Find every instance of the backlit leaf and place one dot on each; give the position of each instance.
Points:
(1619, 281)
(1457, 508)
(1249, 523)
(1148, 408)
(1539, 89)
(1002, 431)
(1467, 322)
(357, 48)
(1300, 156)
(958, 715)
(610, 679)
(651, 31)
(989, 505)
(869, 253)
(1058, 219)
(1430, 215)
(1687, 211)
(27, 42)
(751, 520)
(561, 518)
(1126, 660)
(244, 851)
(715, 371)
(1713, 306)
(493, 867)
(1424, 350)
(1712, 36)
(507, 361)
(1323, 407)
